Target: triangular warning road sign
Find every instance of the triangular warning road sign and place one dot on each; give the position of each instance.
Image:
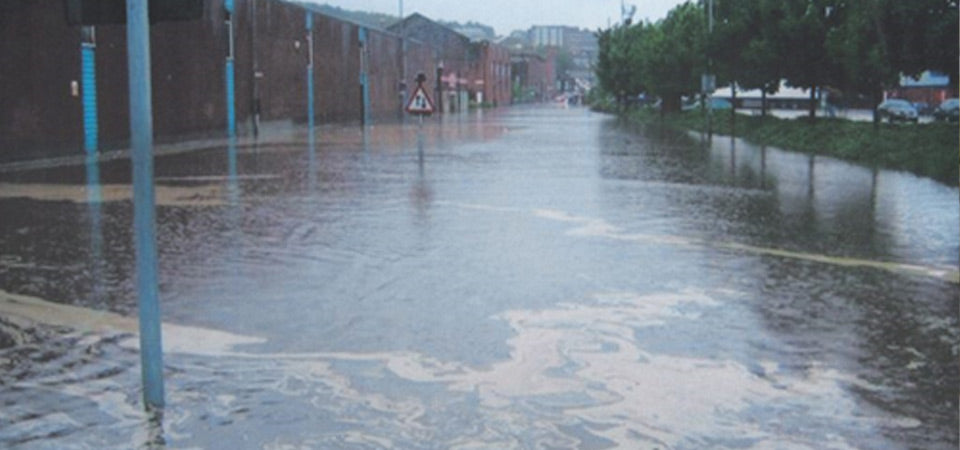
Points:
(420, 102)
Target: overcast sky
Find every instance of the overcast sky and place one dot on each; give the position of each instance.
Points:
(508, 15)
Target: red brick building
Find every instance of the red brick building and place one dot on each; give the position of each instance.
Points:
(534, 75)
(472, 71)
(493, 74)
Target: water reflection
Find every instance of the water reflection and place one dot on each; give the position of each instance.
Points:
(420, 144)
(421, 192)
(233, 186)
(94, 204)
(312, 158)
(763, 167)
(894, 337)
(153, 425)
(816, 203)
(365, 143)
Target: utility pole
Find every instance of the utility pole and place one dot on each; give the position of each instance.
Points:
(144, 223)
(403, 61)
(711, 84)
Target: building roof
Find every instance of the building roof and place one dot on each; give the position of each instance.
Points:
(926, 79)
(335, 13)
(398, 26)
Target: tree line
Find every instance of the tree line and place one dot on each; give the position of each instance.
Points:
(855, 48)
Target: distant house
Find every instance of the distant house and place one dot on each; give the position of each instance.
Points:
(494, 74)
(453, 52)
(477, 71)
(930, 88)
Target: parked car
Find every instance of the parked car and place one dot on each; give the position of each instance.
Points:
(948, 110)
(715, 104)
(896, 109)
(923, 108)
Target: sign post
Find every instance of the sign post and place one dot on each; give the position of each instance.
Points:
(420, 105)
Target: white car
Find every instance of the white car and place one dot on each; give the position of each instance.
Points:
(896, 109)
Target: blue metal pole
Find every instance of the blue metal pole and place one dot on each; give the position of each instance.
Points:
(231, 110)
(312, 166)
(364, 82)
(229, 72)
(310, 111)
(88, 72)
(141, 137)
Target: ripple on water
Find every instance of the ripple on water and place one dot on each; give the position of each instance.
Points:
(577, 376)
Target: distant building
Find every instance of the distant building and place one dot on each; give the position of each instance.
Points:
(475, 31)
(476, 71)
(786, 97)
(930, 87)
(454, 54)
(516, 42)
(72, 97)
(495, 74)
(580, 44)
(546, 36)
(534, 76)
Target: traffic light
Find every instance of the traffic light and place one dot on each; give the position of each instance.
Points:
(114, 12)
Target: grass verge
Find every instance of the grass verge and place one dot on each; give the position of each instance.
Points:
(929, 150)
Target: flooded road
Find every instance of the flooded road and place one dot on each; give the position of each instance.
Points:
(534, 278)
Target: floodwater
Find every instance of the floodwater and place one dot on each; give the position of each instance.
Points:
(531, 278)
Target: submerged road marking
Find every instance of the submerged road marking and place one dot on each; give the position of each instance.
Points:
(176, 338)
(943, 273)
(601, 228)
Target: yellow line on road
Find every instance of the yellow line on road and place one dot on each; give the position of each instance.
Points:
(587, 226)
(947, 274)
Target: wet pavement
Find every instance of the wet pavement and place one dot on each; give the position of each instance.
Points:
(534, 278)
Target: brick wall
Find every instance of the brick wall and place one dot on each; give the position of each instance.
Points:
(40, 53)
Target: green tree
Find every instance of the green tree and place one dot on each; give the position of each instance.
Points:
(876, 41)
(744, 45)
(858, 47)
(804, 28)
(727, 44)
(619, 60)
(673, 55)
